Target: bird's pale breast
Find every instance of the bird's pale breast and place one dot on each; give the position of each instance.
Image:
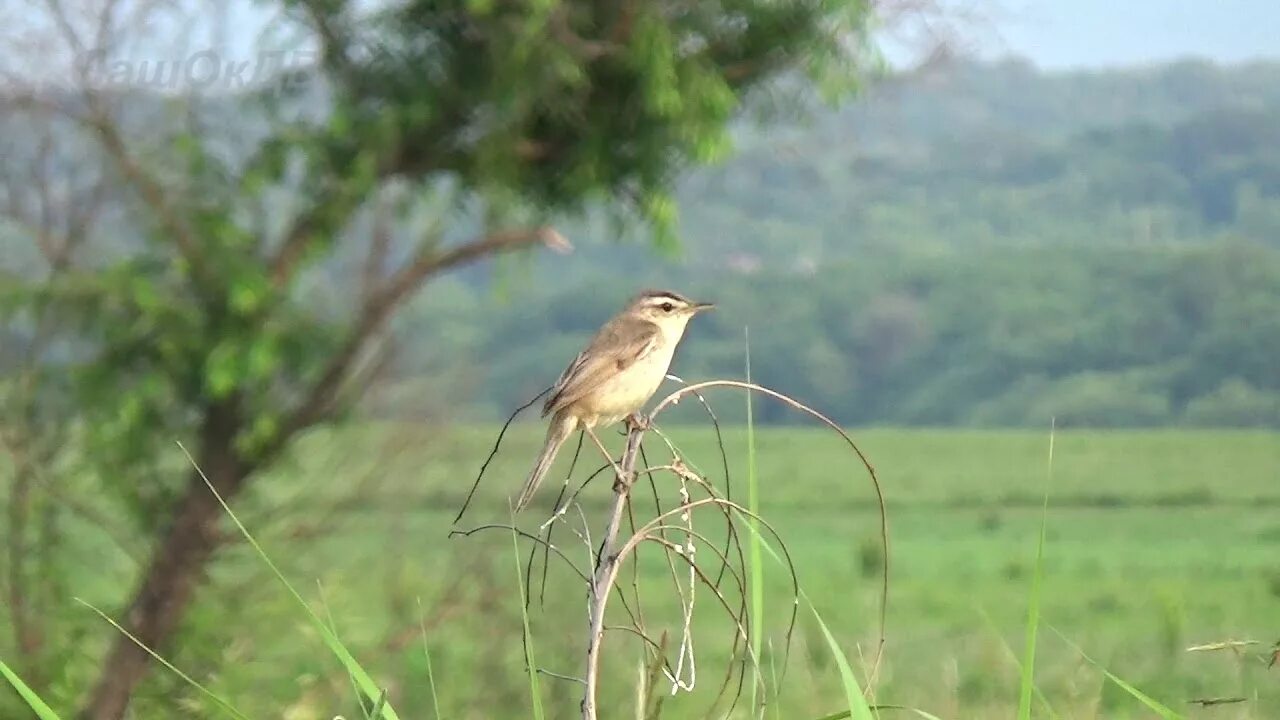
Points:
(627, 391)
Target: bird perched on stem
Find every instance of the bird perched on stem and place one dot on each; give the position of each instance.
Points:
(615, 376)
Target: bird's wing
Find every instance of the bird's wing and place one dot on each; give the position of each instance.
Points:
(619, 344)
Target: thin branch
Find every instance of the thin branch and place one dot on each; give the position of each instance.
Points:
(523, 534)
(871, 471)
(319, 400)
(494, 451)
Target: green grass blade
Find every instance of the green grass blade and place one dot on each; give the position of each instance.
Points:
(535, 692)
(858, 707)
(755, 555)
(333, 628)
(1154, 705)
(1013, 657)
(844, 714)
(777, 687)
(370, 689)
(426, 651)
(1027, 688)
(382, 702)
(29, 696)
(228, 707)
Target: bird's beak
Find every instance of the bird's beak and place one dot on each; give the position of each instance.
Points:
(699, 307)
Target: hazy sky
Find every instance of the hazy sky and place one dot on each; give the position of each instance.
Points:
(1091, 33)
(1053, 34)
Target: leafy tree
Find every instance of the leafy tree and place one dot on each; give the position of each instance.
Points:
(278, 231)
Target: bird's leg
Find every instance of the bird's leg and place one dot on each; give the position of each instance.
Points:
(617, 469)
(637, 421)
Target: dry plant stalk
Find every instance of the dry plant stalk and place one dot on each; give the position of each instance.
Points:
(672, 530)
(606, 569)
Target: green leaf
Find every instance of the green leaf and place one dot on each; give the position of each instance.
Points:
(262, 432)
(264, 358)
(223, 370)
(38, 706)
(144, 294)
(248, 292)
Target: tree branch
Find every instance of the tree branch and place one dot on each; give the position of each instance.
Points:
(383, 303)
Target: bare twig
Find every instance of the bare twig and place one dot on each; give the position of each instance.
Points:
(494, 451)
(672, 531)
(606, 570)
(871, 471)
(318, 400)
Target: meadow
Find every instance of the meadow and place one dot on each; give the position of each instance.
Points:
(1155, 541)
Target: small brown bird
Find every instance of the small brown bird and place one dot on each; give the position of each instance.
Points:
(615, 376)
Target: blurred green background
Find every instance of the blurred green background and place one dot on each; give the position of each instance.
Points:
(314, 243)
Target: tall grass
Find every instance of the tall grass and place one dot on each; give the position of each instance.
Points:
(38, 706)
(755, 554)
(363, 680)
(1027, 687)
(1154, 705)
(535, 691)
(374, 701)
(426, 653)
(221, 702)
(856, 699)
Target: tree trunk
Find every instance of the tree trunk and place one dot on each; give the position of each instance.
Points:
(25, 631)
(176, 568)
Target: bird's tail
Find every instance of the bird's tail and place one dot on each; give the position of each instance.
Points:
(561, 427)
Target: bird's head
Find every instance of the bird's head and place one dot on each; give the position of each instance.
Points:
(666, 309)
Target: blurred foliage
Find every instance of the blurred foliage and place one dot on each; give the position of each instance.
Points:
(989, 245)
(1011, 337)
(242, 252)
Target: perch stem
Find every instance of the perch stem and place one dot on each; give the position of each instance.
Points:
(605, 568)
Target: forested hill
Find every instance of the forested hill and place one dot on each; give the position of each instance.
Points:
(981, 245)
(996, 154)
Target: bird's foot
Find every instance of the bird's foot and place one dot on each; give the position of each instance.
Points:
(637, 421)
(622, 486)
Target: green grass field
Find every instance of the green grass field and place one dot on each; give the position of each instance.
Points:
(1156, 541)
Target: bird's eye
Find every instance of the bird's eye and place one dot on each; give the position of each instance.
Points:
(667, 307)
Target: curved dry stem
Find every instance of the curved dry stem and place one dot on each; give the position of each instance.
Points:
(523, 534)
(732, 539)
(731, 535)
(652, 531)
(729, 507)
(609, 553)
(649, 642)
(493, 452)
(674, 397)
(741, 616)
(741, 635)
(724, 461)
(550, 527)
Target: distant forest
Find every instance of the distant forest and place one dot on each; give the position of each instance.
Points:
(983, 245)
